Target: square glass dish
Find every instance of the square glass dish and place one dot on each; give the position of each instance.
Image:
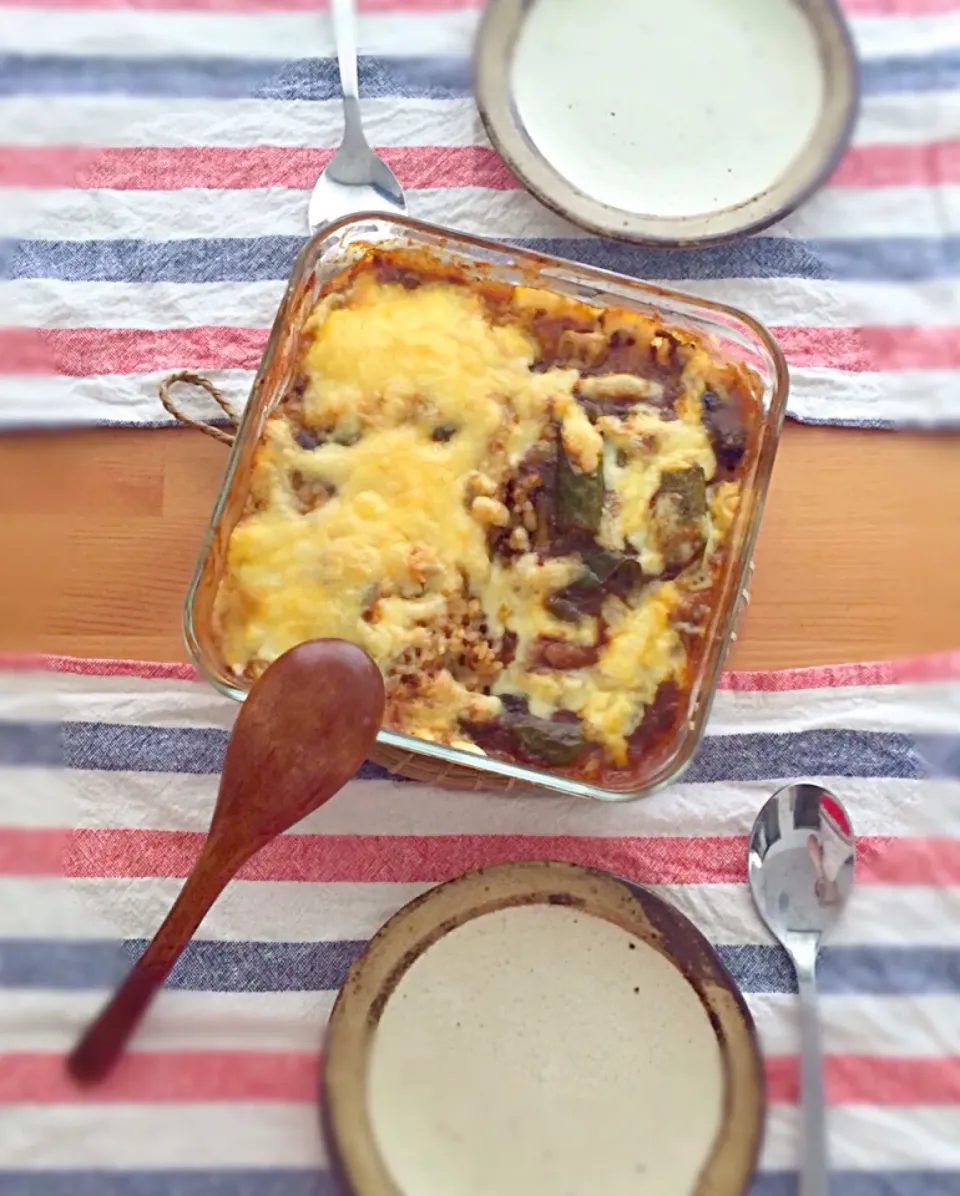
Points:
(731, 340)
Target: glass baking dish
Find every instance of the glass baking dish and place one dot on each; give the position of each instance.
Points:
(736, 336)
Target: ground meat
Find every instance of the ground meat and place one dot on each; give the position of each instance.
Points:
(459, 645)
(465, 647)
(528, 494)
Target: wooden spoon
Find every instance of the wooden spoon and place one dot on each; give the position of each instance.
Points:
(303, 731)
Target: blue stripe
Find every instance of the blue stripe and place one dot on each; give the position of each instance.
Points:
(230, 78)
(117, 747)
(842, 1183)
(258, 967)
(911, 72)
(872, 259)
(267, 259)
(260, 1182)
(290, 1182)
(30, 745)
(433, 77)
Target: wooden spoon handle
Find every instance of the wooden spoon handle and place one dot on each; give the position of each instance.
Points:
(106, 1036)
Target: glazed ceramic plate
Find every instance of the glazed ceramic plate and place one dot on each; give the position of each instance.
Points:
(535, 1028)
(681, 125)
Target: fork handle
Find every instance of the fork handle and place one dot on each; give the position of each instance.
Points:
(345, 33)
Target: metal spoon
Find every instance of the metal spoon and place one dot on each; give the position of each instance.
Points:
(304, 730)
(355, 179)
(800, 864)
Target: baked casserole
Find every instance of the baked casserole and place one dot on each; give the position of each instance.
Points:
(517, 502)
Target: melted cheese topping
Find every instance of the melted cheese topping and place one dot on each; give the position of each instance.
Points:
(642, 650)
(379, 533)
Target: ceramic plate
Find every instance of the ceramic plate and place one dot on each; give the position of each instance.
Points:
(541, 1027)
(688, 124)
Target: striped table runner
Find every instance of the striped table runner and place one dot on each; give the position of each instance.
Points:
(156, 158)
(107, 778)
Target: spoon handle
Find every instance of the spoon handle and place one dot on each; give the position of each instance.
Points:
(105, 1037)
(814, 1169)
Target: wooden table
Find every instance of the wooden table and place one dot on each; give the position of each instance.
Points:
(858, 558)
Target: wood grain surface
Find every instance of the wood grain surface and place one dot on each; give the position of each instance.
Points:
(858, 558)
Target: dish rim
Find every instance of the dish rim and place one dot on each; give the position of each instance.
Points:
(607, 287)
(656, 921)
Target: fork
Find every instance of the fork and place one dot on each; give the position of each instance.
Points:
(355, 179)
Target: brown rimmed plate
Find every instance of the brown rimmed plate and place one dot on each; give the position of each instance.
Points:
(833, 122)
(445, 1056)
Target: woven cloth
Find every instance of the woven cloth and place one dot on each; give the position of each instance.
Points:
(108, 774)
(158, 157)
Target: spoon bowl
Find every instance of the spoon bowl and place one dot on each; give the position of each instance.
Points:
(800, 865)
(355, 179)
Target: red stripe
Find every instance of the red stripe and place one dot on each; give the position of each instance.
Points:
(872, 347)
(871, 1079)
(164, 168)
(80, 352)
(407, 859)
(166, 1076)
(937, 666)
(22, 662)
(897, 8)
(900, 165)
(229, 6)
(292, 1076)
(34, 851)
